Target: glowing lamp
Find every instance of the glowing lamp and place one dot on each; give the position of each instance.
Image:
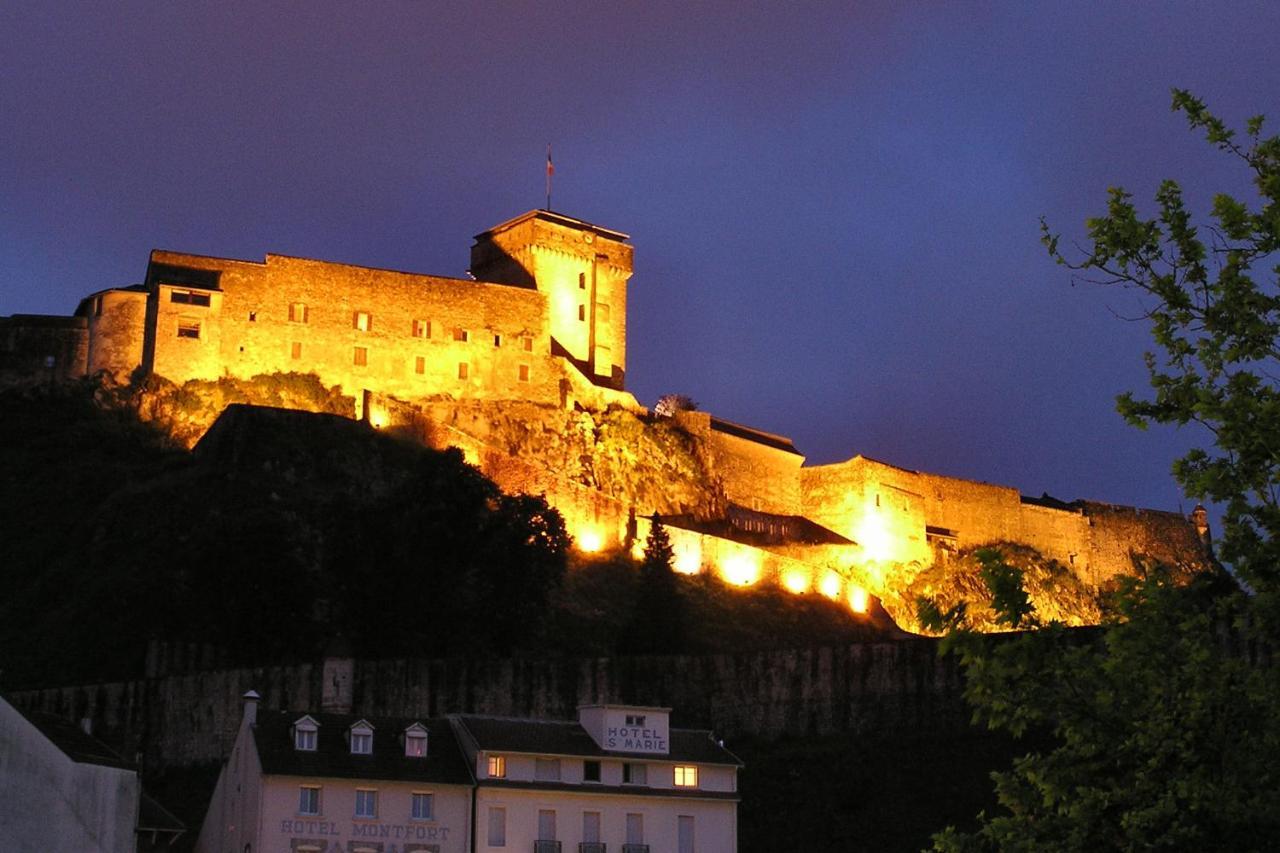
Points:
(590, 541)
(740, 569)
(688, 559)
(830, 585)
(857, 599)
(796, 581)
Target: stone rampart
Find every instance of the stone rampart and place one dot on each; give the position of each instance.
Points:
(903, 686)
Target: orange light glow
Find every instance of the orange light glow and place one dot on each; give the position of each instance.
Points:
(590, 541)
(740, 569)
(830, 585)
(857, 599)
(796, 580)
(688, 558)
(377, 418)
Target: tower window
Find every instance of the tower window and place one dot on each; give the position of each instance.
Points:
(361, 356)
(422, 328)
(524, 373)
(189, 328)
(295, 350)
(527, 342)
(298, 312)
(461, 335)
(497, 340)
(253, 316)
(362, 321)
(582, 312)
(463, 369)
(419, 365)
(582, 281)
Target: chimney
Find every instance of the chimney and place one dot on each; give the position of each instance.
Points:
(1200, 518)
(251, 707)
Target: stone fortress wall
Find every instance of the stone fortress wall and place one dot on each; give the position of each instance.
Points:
(540, 338)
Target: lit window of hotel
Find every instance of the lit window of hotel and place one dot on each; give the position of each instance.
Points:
(189, 328)
(422, 328)
(421, 807)
(463, 370)
(546, 769)
(309, 799)
(591, 771)
(419, 365)
(686, 776)
(187, 297)
(461, 335)
(361, 321)
(361, 739)
(415, 741)
(360, 357)
(634, 774)
(366, 803)
(497, 767)
(295, 350)
(524, 373)
(304, 734)
(298, 312)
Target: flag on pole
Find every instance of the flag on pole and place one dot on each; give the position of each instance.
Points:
(551, 170)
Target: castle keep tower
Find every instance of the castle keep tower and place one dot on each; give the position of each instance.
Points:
(583, 270)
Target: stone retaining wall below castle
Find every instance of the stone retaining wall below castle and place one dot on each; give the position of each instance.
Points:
(872, 688)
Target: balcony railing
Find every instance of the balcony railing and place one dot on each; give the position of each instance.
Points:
(546, 847)
(591, 847)
(635, 848)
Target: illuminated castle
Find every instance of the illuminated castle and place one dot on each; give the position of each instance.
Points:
(538, 335)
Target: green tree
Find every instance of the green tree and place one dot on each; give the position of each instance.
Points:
(1162, 725)
(657, 624)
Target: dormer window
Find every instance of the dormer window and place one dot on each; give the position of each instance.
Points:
(304, 734)
(415, 741)
(635, 719)
(361, 736)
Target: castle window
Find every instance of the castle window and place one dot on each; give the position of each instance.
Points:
(361, 321)
(253, 316)
(188, 328)
(187, 297)
(422, 328)
(524, 373)
(309, 799)
(295, 350)
(497, 340)
(602, 312)
(366, 803)
(582, 281)
(463, 369)
(582, 312)
(419, 365)
(461, 335)
(497, 767)
(422, 806)
(361, 356)
(686, 776)
(298, 312)
(527, 343)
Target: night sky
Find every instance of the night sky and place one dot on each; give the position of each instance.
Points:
(834, 207)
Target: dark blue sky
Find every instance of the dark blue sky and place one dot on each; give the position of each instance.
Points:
(834, 206)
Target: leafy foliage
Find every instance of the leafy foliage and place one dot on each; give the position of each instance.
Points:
(1163, 720)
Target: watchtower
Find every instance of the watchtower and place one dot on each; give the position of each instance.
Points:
(583, 269)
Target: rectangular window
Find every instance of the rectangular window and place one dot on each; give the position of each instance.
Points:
(497, 826)
(635, 719)
(186, 297)
(602, 312)
(546, 769)
(591, 771)
(253, 316)
(361, 357)
(361, 743)
(497, 340)
(523, 373)
(295, 350)
(304, 739)
(415, 745)
(189, 328)
(546, 825)
(591, 827)
(366, 803)
(463, 370)
(420, 365)
(686, 776)
(684, 833)
(461, 335)
(634, 774)
(582, 281)
(497, 767)
(309, 799)
(297, 312)
(361, 321)
(422, 806)
(582, 312)
(528, 344)
(422, 328)
(635, 828)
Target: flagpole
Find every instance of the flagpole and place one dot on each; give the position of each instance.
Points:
(551, 170)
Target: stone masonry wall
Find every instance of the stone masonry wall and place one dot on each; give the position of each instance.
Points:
(870, 688)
